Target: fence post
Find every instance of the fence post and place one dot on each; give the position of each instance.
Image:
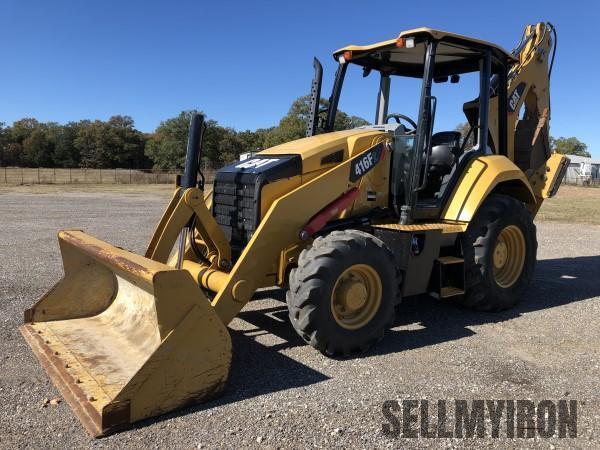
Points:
(70, 177)
(115, 175)
(22, 177)
(39, 175)
(55, 175)
(84, 175)
(5, 178)
(129, 176)
(100, 176)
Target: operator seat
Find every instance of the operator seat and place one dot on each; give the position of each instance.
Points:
(445, 153)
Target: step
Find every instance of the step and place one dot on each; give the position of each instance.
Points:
(451, 291)
(448, 278)
(445, 260)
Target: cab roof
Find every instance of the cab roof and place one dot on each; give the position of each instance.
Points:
(455, 54)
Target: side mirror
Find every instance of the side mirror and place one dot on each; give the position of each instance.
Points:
(454, 79)
(440, 79)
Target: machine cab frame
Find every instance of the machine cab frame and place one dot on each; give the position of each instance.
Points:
(433, 56)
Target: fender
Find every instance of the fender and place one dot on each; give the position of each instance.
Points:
(480, 178)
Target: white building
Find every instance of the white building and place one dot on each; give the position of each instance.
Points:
(582, 170)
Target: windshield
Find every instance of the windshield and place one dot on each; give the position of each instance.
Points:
(359, 93)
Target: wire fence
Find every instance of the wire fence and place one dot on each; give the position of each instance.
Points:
(25, 175)
(39, 175)
(584, 181)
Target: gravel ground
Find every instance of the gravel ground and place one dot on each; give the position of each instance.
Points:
(282, 393)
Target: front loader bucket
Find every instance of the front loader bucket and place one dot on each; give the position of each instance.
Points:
(124, 337)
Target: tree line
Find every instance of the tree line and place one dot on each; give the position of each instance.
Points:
(116, 143)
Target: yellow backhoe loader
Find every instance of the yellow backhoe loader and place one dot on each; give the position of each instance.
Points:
(350, 222)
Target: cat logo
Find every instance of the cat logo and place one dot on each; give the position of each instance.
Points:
(514, 98)
(256, 163)
(364, 163)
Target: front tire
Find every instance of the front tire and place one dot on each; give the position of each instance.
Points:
(499, 250)
(343, 292)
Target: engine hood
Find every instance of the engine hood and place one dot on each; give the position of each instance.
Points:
(320, 151)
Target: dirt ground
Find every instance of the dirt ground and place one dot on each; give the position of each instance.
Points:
(281, 392)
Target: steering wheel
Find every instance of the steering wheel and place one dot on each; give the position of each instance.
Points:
(397, 117)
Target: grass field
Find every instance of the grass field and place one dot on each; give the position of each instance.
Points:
(572, 203)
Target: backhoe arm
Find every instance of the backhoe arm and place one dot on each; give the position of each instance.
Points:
(528, 109)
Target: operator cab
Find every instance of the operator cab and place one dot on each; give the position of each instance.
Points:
(425, 165)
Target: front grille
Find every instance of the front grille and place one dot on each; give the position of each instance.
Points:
(235, 208)
(236, 194)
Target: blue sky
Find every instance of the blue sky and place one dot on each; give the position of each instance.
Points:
(244, 62)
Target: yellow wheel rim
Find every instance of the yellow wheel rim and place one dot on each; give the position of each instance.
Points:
(509, 256)
(356, 296)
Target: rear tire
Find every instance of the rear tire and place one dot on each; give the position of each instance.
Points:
(499, 250)
(343, 292)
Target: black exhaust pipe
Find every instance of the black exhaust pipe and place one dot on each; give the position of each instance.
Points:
(315, 99)
(194, 153)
